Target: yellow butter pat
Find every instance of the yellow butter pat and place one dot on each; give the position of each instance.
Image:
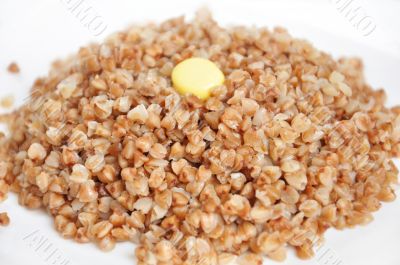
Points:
(197, 76)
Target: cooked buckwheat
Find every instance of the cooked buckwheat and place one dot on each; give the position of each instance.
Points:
(293, 143)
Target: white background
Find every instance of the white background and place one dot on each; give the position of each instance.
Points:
(34, 33)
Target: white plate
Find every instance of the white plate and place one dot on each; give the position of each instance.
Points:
(34, 33)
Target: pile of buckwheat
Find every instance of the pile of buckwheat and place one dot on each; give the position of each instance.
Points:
(292, 144)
